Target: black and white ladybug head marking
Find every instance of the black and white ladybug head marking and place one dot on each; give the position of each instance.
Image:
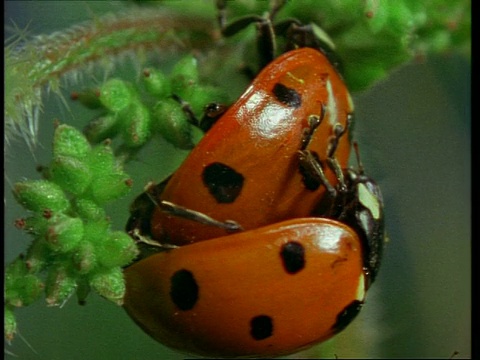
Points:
(363, 211)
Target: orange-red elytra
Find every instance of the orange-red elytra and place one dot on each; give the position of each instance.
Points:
(263, 292)
(246, 168)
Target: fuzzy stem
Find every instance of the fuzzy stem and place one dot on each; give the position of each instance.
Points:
(38, 65)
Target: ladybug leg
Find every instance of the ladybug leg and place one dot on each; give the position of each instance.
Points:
(177, 210)
(235, 26)
(338, 132)
(266, 44)
(144, 205)
(312, 170)
(332, 162)
(141, 239)
(211, 113)
(147, 246)
(359, 161)
(310, 165)
(187, 109)
(314, 121)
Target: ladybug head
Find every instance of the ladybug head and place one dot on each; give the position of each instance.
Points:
(363, 211)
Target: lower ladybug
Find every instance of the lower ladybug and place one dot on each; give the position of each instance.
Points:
(270, 291)
(264, 292)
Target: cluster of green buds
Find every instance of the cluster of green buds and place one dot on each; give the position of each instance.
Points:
(74, 248)
(165, 105)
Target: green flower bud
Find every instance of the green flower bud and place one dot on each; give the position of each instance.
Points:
(64, 233)
(102, 161)
(21, 287)
(172, 123)
(89, 98)
(9, 323)
(88, 210)
(59, 286)
(110, 187)
(136, 124)
(110, 285)
(39, 195)
(118, 249)
(116, 95)
(101, 128)
(38, 255)
(96, 231)
(68, 141)
(84, 258)
(156, 83)
(184, 77)
(72, 174)
(36, 225)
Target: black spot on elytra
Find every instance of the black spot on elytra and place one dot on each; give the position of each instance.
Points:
(223, 182)
(261, 327)
(287, 96)
(184, 290)
(293, 257)
(346, 316)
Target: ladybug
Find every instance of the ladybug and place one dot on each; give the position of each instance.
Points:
(263, 292)
(246, 172)
(247, 166)
(268, 291)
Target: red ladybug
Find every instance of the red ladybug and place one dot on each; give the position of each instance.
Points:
(247, 167)
(263, 292)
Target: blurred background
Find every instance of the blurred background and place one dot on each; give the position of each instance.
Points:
(414, 132)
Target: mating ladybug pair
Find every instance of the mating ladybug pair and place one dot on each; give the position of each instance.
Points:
(267, 242)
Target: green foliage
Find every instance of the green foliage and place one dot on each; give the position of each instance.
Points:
(171, 121)
(168, 105)
(73, 246)
(9, 323)
(371, 37)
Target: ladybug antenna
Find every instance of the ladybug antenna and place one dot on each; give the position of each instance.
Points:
(359, 161)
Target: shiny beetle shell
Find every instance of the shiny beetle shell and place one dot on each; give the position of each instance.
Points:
(264, 292)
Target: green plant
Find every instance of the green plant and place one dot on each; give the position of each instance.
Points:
(372, 38)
